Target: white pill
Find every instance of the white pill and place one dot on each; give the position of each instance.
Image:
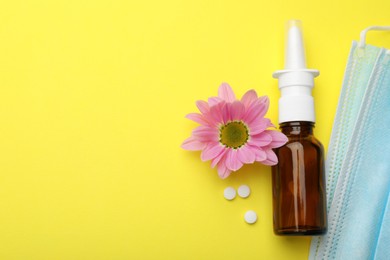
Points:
(229, 193)
(250, 217)
(244, 191)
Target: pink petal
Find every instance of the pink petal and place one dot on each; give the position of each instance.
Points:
(265, 100)
(192, 144)
(258, 126)
(217, 159)
(246, 154)
(223, 171)
(210, 119)
(255, 111)
(198, 118)
(249, 97)
(260, 140)
(206, 134)
(211, 151)
(278, 139)
(214, 101)
(261, 155)
(232, 161)
(203, 106)
(272, 159)
(226, 113)
(237, 110)
(216, 112)
(226, 93)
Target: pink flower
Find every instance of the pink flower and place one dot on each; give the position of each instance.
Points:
(234, 132)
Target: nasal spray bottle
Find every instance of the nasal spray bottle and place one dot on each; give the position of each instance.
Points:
(299, 199)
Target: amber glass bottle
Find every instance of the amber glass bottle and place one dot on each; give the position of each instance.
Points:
(299, 199)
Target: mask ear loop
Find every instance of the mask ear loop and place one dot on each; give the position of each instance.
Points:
(363, 34)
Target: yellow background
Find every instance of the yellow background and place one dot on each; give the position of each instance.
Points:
(93, 96)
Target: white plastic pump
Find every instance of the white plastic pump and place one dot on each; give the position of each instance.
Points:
(295, 81)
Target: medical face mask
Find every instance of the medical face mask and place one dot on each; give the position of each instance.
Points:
(358, 165)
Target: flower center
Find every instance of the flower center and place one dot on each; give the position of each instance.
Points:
(233, 134)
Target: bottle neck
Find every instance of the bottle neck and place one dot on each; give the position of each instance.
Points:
(297, 128)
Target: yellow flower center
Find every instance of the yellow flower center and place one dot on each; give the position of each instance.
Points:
(234, 134)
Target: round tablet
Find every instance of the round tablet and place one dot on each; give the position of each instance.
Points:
(244, 191)
(229, 193)
(250, 217)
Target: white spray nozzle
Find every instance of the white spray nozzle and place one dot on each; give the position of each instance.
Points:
(295, 52)
(295, 60)
(295, 81)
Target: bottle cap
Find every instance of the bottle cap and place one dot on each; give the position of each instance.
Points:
(295, 81)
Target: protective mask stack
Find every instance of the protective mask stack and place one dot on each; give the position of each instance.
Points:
(358, 164)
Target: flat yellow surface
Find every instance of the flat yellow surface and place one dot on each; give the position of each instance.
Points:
(93, 96)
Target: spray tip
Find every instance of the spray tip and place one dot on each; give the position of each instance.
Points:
(295, 51)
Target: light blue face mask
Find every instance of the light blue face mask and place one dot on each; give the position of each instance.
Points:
(358, 165)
